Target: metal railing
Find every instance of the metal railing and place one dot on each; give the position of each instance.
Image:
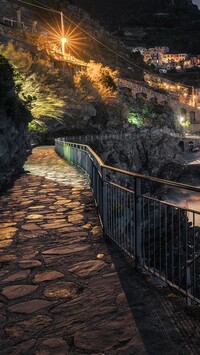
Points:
(92, 138)
(162, 237)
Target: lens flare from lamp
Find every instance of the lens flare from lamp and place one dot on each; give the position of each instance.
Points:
(72, 37)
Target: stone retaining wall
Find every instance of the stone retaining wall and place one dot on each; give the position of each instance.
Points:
(180, 109)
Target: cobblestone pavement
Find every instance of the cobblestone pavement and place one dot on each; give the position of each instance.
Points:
(64, 290)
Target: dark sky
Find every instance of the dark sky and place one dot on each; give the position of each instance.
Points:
(197, 2)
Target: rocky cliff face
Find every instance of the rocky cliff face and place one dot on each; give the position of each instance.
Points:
(13, 144)
(147, 151)
(150, 152)
(13, 126)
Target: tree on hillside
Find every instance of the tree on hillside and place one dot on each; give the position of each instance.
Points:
(145, 112)
(39, 86)
(10, 100)
(99, 85)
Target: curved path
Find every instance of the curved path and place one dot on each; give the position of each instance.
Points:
(63, 289)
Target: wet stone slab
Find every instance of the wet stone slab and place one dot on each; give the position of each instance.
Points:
(67, 290)
(7, 233)
(31, 227)
(96, 340)
(30, 306)
(7, 258)
(5, 243)
(16, 291)
(47, 276)
(88, 268)
(29, 264)
(53, 346)
(65, 250)
(20, 275)
(28, 327)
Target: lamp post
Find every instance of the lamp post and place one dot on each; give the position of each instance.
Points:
(63, 39)
(62, 24)
(47, 8)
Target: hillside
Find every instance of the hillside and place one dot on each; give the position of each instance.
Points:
(173, 23)
(61, 98)
(72, 98)
(87, 39)
(67, 98)
(116, 13)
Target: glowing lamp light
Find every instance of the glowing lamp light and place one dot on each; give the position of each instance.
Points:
(64, 41)
(181, 119)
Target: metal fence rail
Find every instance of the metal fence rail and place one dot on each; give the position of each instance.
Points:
(162, 237)
(90, 138)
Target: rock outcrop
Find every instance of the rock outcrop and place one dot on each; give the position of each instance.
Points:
(13, 127)
(146, 151)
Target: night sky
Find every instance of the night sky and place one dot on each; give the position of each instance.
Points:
(197, 2)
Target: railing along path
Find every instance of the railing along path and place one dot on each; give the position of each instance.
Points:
(90, 138)
(162, 237)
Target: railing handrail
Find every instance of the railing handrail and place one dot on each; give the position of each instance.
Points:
(133, 174)
(159, 235)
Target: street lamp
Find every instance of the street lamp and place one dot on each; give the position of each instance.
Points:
(63, 39)
(47, 8)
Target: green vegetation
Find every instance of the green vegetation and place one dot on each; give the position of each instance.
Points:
(10, 100)
(135, 119)
(36, 125)
(185, 124)
(36, 84)
(90, 102)
(97, 80)
(149, 113)
(56, 101)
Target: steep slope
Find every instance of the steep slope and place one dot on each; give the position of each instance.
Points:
(83, 103)
(60, 102)
(116, 12)
(173, 23)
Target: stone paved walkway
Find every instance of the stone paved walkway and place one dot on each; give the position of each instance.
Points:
(63, 289)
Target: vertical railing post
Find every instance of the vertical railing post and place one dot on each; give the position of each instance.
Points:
(94, 178)
(138, 234)
(189, 283)
(104, 201)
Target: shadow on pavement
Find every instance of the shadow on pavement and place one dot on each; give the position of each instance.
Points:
(166, 325)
